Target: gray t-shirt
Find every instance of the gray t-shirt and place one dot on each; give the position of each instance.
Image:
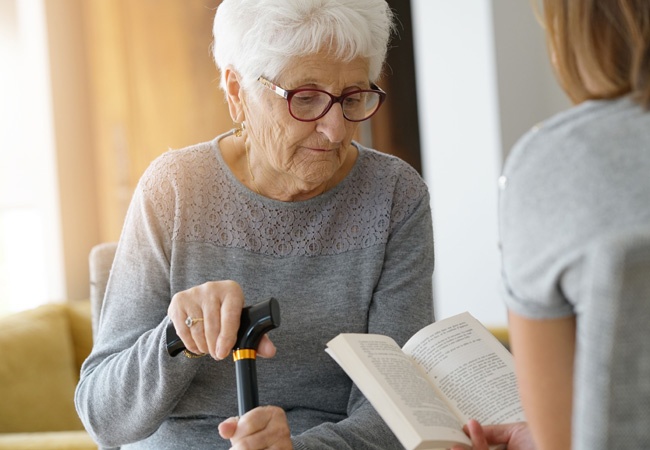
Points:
(578, 177)
(358, 258)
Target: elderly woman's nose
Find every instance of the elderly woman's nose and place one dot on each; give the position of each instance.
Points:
(332, 124)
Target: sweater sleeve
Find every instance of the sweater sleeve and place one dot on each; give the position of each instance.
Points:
(129, 384)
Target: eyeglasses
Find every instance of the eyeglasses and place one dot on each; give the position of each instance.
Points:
(308, 105)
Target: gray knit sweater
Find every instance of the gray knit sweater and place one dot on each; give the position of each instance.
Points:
(358, 258)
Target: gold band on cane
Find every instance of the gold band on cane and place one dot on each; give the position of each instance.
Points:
(191, 355)
(243, 353)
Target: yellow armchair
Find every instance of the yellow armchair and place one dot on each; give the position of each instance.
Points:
(42, 352)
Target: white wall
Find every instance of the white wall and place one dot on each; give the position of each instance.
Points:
(482, 79)
(527, 89)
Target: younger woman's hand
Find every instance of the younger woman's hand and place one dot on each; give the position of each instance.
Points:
(516, 436)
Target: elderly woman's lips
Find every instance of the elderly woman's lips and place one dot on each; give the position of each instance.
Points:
(319, 149)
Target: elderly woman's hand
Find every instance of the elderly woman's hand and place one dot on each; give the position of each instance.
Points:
(218, 306)
(265, 427)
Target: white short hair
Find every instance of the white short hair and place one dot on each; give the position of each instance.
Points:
(260, 37)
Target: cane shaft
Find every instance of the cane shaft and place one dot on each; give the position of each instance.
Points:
(247, 394)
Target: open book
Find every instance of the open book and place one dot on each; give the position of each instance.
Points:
(449, 372)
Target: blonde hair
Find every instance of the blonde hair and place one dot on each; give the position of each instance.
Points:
(600, 48)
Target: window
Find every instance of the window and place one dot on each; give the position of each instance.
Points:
(31, 270)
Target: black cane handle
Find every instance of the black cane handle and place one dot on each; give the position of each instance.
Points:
(174, 343)
(256, 320)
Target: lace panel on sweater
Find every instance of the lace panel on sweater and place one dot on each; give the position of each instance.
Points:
(198, 199)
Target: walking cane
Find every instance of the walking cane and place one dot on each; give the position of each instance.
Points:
(256, 320)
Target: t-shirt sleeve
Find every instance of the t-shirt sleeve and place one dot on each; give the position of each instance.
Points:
(538, 255)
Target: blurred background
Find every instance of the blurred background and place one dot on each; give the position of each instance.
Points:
(91, 91)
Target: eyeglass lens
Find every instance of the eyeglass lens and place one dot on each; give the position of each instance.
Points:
(311, 104)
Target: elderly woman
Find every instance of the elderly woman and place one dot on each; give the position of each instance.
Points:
(287, 205)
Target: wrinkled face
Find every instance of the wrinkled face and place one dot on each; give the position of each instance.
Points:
(304, 153)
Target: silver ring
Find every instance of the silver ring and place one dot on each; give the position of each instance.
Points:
(191, 321)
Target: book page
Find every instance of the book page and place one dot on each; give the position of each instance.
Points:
(397, 390)
(470, 367)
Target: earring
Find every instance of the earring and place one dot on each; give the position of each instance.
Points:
(239, 129)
